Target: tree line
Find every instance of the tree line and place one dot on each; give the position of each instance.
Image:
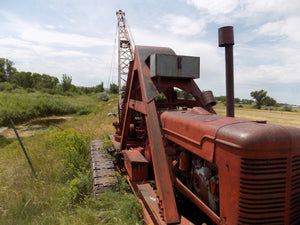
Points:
(260, 99)
(11, 78)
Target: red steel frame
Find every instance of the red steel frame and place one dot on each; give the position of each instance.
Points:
(250, 156)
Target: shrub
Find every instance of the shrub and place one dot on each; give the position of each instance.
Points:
(287, 109)
(30, 90)
(5, 86)
(74, 164)
(75, 149)
(79, 187)
(103, 96)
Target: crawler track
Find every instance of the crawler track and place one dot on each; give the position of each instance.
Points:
(104, 177)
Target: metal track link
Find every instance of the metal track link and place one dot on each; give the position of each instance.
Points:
(104, 177)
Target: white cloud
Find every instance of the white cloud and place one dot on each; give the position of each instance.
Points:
(40, 35)
(287, 28)
(182, 25)
(279, 7)
(250, 11)
(36, 33)
(46, 49)
(215, 7)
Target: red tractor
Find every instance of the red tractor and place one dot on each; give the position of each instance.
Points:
(235, 171)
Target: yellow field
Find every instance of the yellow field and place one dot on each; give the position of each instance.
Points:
(278, 117)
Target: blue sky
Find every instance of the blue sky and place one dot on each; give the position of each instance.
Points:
(77, 37)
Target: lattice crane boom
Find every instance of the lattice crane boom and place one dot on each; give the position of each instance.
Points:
(125, 53)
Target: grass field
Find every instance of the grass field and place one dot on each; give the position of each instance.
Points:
(62, 192)
(21, 106)
(272, 116)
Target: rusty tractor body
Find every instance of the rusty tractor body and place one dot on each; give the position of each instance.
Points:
(234, 170)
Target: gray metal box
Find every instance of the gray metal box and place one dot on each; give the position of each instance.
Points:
(175, 66)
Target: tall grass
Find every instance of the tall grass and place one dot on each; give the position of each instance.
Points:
(20, 106)
(62, 194)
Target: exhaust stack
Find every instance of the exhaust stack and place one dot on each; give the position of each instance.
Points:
(226, 40)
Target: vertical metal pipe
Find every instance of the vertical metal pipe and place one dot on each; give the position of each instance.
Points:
(226, 39)
(229, 81)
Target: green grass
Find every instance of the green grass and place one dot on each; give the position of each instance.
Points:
(62, 193)
(21, 106)
(277, 115)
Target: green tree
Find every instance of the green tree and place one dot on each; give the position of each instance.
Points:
(259, 97)
(100, 87)
(44, 81)
(7, 71)
(66, 82)
(268, 101)
(114, 88)
(23, 79)
(237, 101)
(10, 70)
(246, 101)
(2, 70)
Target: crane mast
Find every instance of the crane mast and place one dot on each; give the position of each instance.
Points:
(125, 53)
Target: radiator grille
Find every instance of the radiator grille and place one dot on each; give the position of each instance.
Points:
(295, 191)
(262, 191)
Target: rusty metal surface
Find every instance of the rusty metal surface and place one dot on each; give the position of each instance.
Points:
(260, 165)
(160, 166)
(209, 98)
(195, 130)
(233, 169)
(135, 156)
(226, 39)
(264, 186)
(253, 136)
(104, 177)
(136, 165)
(150, 203)
(147, 91)
(181, 187)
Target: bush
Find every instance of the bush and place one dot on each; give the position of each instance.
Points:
(287, 109)
(103, 96)
(5, 86)
(75, 149)
(30, 90)
(79, 187)
(74, 165)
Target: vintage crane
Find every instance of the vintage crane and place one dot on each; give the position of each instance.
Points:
(234, 170)
(125, 53)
